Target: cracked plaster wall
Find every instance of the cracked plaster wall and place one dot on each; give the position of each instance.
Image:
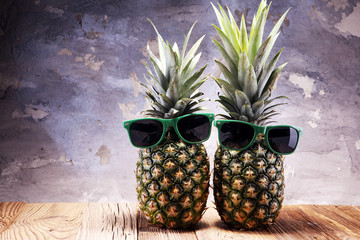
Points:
(70, 73)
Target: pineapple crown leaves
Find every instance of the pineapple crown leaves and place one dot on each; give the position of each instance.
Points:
(250, 76)
(172, 85)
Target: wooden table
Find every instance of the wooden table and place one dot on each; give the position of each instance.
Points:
(22, 221)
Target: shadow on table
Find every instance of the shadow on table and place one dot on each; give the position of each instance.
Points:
(285, 227)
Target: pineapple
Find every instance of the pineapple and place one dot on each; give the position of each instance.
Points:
(248, 184)
(173, 177)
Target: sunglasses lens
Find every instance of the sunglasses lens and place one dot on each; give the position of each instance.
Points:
(194, 128)
(283, 139)
(145, 133)
(236, 135)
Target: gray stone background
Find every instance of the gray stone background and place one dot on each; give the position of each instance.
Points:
(70, 73)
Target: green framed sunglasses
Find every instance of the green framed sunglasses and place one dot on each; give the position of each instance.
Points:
(239, 135)
(149, 132)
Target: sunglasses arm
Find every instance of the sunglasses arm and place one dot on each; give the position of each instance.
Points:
(300, 130)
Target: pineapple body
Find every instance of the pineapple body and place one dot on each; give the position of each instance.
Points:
(173, 182)
(248, 185)
(173, 177)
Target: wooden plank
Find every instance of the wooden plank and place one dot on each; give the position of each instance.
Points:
(341, 227)
(9, 211)
(149, 231)
(46, 221)
(123, 221)
(352, 212)
(109, 221)
(295, 222)
(351, 219)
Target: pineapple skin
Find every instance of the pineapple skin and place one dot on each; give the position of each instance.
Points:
(173, 183)
(248, 185)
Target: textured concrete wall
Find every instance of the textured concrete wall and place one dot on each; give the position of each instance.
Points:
(70, 73)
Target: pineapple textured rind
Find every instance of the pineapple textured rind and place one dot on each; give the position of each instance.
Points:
(248, 185)
(173, 183)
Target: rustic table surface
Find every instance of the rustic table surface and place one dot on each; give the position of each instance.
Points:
(104, 221)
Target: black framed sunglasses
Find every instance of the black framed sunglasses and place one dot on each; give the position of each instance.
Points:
(239, 135)
(149, 132)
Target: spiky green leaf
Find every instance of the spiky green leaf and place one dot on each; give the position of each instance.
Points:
(250, 83)
(153, 113)
(190, 66)
(192, 89)
(278, 24)
(224, 84)
(232, 65)
(228, 106)
(171, 114)
(219, 17)
(271, 83)
(240, 98)
(227, 45)
(248, 111)
(274, 106)
(186, 41)
(256, 33)
(191, 80)
(234, 115)
(224, 116)
(243, 35)
(196, 95)
(263, 53)
(230, 77)
(165, 101)
(276, 98)
(229, 30)
(197, 109)
(243, 65)
(265, 96)
(243, 118)
(258, 107)
(267, 72)
(193, 50)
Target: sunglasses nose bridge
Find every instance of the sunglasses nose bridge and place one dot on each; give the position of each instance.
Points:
(169, 123)
(261, 129)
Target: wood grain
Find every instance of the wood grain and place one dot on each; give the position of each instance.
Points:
(341, 225)
(103, 221)
(109, 221)
(46, 221)
(295, 222)
(8, 213)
